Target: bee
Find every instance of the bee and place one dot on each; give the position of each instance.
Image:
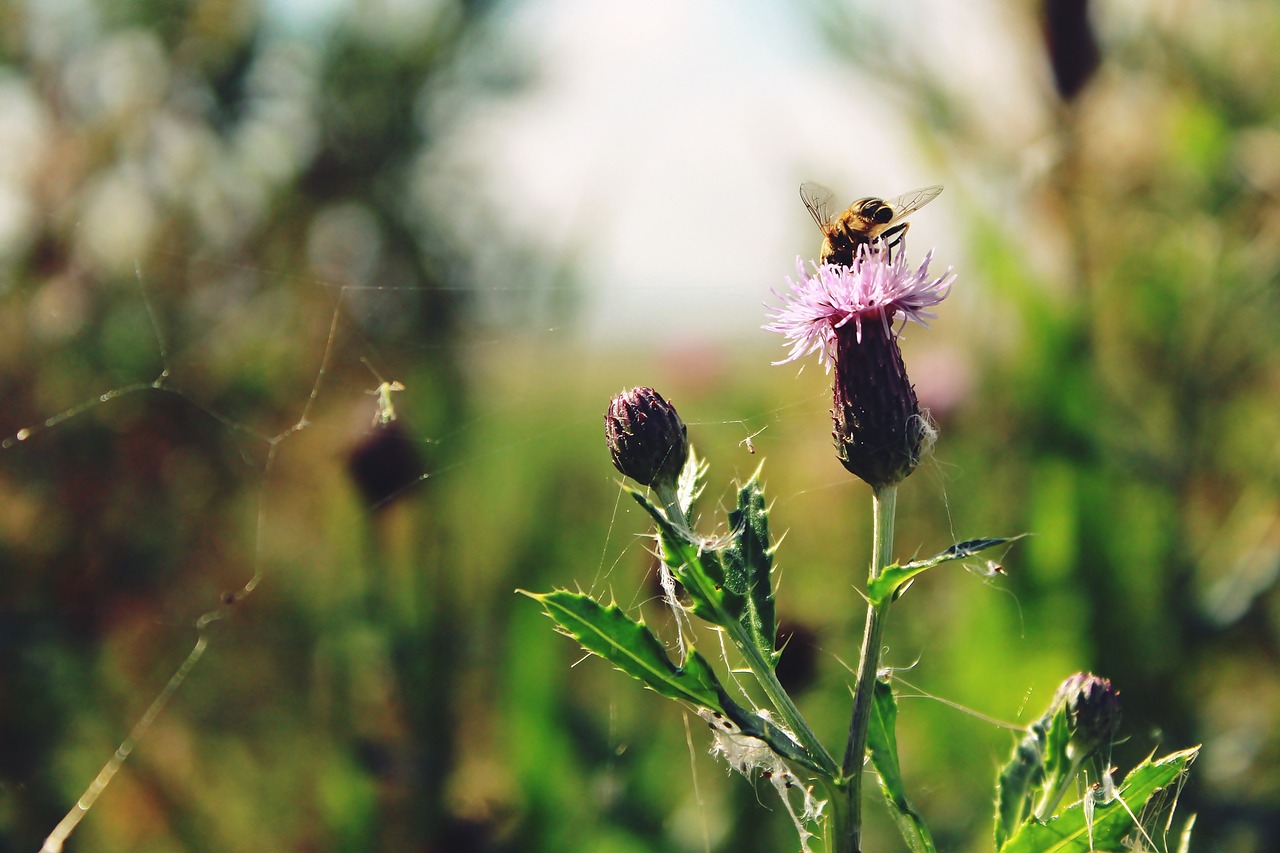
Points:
(865, 220)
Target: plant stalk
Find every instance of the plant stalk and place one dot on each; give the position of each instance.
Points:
(848, 838)
(670, 499)
(1056, 790)
(780, 699)
(760, 668)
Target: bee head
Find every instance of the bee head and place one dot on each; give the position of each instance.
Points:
(874, 210)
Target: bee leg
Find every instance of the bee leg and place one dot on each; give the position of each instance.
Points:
(894, 236)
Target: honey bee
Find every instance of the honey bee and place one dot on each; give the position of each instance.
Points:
(865, 220)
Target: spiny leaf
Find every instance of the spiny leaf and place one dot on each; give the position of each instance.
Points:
(882, 742)
(1057, 724)
(606, 631)
(701, 573)
(1112, 822)
(748, 564)
(698, 569)
(1018, 784)
(895, 577)
(629, 645)
(1024, 778)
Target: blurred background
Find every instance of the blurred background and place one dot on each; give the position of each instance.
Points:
(224, 223)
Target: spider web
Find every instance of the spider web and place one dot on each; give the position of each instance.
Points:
(284, 459)
(238, 478)
(247, 438)
(270, 474)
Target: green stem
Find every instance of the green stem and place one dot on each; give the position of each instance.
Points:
(780, 699)
(670, 499)
(1056, 790)
(848, 837)
(760, 668)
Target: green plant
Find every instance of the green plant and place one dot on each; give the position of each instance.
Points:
(846, 315)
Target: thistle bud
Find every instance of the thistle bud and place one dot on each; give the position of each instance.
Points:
(878, 429)
(385, 464)
(1093, 713)
(647, 440)
(1071, 45)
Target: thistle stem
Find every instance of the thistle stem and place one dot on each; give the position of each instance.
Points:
(760, 668)
(1057, 789)
(781, 700)
(669, 496)
(849, 837)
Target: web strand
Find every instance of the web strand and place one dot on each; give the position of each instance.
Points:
(58, 837)
(53, 844)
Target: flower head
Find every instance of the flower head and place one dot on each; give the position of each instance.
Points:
(1093, 712)
(879, 431)
(876, 288)
(647, 440)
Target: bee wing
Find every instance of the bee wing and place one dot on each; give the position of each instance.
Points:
(817, 200)
(908, 203)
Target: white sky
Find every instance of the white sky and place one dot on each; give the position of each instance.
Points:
(662, 143)
(672, 136)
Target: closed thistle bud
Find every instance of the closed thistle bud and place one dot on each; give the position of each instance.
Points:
(1093, 713)
(1071, 45)
(1090, 709)
(846, 315)
(647, 440)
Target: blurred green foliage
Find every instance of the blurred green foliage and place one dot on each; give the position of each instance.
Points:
(384, 688)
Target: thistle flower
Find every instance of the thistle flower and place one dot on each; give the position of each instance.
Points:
(846, 314)
(647, 440)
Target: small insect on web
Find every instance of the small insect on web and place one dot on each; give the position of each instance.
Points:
(747, 442)
(989, 571)
(386, 411)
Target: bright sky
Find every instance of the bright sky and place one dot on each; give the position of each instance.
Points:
(671, 137)
(662, 142)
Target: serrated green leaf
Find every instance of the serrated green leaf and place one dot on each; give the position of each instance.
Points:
(701, 573)
(1020, 781)
(1057, 725)
(1038, 772)
(1112, 822)
(698, 569)
(629, 645)
(748, 566)
(882, 743)
(894, 578)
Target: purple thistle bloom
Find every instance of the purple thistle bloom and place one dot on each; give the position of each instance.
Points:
(877, 288)
(879, 430)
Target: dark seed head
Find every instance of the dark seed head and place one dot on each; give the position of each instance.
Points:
(647, 440)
